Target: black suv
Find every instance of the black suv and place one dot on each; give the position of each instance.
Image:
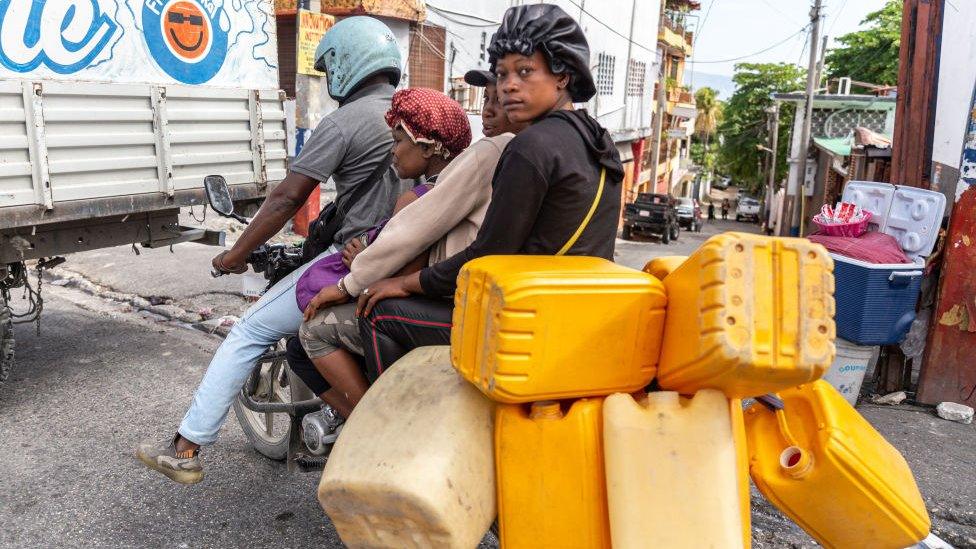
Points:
(654, 214)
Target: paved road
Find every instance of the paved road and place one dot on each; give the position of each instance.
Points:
(101, 378)
(81, 396)
(636, 253)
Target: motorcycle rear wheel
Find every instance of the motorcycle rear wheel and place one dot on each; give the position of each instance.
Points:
(268, 433)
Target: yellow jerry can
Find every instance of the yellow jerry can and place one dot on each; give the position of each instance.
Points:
(823, 465)
(660, 267)
(531, 328)
(748, 315)
(737, 414)
(674, 471)
(413, 466)
(551, 484)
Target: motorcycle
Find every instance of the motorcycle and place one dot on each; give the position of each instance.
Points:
(273, 406)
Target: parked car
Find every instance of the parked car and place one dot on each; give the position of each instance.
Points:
(748, 208)
(651, 214)
(689, 214)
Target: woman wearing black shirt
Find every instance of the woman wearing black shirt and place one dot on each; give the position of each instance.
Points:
(560, 171)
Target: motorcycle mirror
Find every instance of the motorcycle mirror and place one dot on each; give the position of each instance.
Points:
(218, 195)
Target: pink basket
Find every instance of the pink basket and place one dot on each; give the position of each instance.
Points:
(844, 229)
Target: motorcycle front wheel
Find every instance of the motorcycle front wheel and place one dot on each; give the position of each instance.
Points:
(268, 433)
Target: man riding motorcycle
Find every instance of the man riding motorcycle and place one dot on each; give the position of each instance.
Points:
(351, 146)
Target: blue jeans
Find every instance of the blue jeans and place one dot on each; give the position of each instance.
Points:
(274, 316)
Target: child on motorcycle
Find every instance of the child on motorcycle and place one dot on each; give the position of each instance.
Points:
(556, 187)
(429, 129)
(446, 220)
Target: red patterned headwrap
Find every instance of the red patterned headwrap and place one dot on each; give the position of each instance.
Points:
(429, 116)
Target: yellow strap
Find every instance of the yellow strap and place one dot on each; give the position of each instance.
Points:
(586, 220)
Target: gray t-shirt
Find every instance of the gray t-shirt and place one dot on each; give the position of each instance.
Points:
(347, 146)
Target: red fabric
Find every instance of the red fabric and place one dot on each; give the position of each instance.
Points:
(871, 247)
(432, 115)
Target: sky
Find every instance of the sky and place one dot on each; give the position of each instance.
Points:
(729, 29)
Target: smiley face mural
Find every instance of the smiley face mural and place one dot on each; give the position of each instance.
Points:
(185, 38)
(186, 30)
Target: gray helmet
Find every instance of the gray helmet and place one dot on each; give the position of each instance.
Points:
(355, 49)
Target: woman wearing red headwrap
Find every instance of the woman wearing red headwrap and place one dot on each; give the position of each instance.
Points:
(429, 131)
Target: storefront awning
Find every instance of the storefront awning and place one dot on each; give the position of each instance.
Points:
(410, 10)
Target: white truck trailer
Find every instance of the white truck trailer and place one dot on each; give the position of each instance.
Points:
(111, 114)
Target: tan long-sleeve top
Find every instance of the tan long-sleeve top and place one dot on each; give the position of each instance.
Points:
(446, 219)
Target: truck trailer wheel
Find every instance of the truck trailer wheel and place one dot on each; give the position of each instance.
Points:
(6, 341)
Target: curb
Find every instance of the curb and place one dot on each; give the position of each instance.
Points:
(164, 311)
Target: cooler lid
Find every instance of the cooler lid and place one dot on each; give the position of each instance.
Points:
(871, 196)
(914, 219)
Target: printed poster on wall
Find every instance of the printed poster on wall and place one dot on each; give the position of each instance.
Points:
(225, 43)
(311, 29)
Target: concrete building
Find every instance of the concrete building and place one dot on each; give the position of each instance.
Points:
(675, 41)
(442, 40)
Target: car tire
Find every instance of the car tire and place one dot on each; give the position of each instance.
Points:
(675, 231)
(626, 233)
(666, 236)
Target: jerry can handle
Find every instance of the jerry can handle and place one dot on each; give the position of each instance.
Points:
(771, 401)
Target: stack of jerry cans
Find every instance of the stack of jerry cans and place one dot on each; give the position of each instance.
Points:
(749, 315)
(547, 338)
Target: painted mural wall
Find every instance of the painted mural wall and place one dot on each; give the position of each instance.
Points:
(225, 43)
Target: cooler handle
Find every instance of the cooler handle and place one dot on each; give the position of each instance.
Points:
(902, 278)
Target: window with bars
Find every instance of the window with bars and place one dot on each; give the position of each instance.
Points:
(425, 61)
(604, 73)
(636, 76)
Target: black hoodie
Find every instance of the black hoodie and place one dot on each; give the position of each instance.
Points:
(544, 185)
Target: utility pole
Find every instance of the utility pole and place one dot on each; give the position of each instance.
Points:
(799, 206)
(820, 65)
(662, 108)
(774, 147)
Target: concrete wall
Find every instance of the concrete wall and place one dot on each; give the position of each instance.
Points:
(957, 75)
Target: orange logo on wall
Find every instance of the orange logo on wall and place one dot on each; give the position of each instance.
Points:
(186, 30)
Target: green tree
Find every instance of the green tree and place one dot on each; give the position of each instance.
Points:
(870, 54)
(709, 113)
(706, 125)
(743, 127)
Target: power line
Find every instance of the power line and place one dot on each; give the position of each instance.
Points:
(779, 11)
(764, 50)
(444, 14)
(613, 30)
(837, 17)
(442, 11)
(702, 24)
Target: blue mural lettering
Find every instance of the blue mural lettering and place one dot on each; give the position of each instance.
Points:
(62, 35)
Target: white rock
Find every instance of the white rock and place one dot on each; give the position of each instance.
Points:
(955, 412)
(890, 398)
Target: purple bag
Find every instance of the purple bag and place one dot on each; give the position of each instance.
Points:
(324, 272)
(328, 270)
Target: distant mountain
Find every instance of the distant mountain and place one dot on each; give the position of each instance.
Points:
(720, 82)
